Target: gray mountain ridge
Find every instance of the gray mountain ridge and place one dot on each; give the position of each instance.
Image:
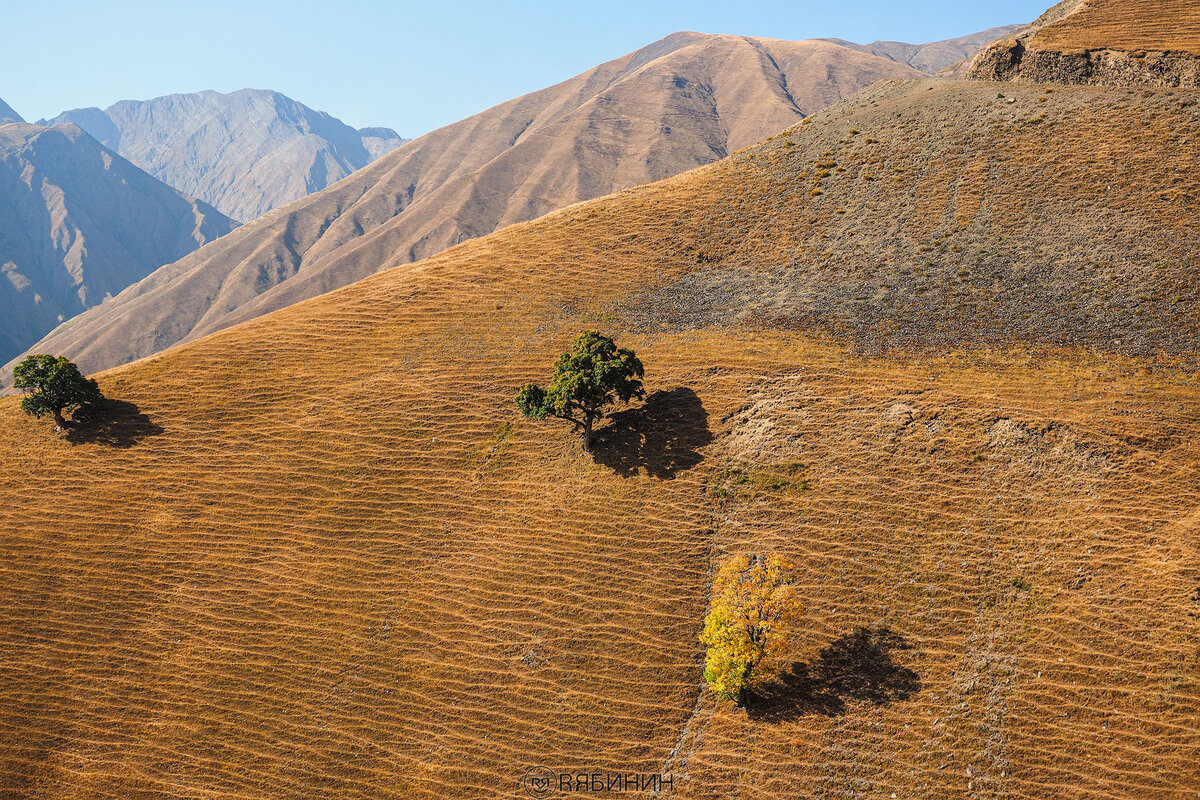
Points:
(245, 152)
(7, 114)
(78, 224)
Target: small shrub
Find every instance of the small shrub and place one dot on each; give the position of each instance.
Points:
(744, 482)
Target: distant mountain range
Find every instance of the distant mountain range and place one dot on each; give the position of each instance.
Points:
(935, 56)
(245, 153)
(687, 100)
(935, 348)
(78, 224)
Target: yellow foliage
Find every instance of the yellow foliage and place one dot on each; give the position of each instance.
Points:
(750, 629)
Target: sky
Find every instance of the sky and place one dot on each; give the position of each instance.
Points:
(409, 66)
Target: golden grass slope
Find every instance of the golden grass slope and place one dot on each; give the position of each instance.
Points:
(1126, 25)
(321, 554)
(685, 101)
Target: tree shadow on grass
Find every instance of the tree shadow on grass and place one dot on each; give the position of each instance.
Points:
(115, 423)
(663, 436)
(858, 666)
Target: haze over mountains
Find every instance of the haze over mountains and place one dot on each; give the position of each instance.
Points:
(245, 153)
(79, 224)
(322, 555)
(685, 101)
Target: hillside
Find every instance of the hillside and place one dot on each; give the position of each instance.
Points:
(1109, 42)
(7, 114)
(245, 153)
(933, 57)
(320, 554)
(685, 101)
(79, 224)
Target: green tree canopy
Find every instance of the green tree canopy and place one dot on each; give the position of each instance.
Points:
(52, 385)
(593, 374)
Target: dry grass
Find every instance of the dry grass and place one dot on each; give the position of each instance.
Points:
(1127, 25)
(308, 559)
(981, 214)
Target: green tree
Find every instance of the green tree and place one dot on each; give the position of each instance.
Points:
(52, 385)
(751, 627)
(593, 374)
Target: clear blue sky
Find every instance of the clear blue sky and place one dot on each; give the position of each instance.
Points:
(407, 65)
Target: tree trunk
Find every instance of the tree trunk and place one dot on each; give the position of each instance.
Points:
(59, 419)
(587, 433)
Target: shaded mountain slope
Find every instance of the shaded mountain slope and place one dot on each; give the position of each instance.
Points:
(79, 224)
(7, 114)
(1110, 42)
(320, 553)
(245, 152)
(933, 57)
(682, 102)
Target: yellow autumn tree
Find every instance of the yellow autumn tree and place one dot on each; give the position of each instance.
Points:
(752, 624)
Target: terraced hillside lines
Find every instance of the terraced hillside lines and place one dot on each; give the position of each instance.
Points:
(322, 554)
(1005, 541)
(942, 214)
(287, 606)
(1127, 25)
